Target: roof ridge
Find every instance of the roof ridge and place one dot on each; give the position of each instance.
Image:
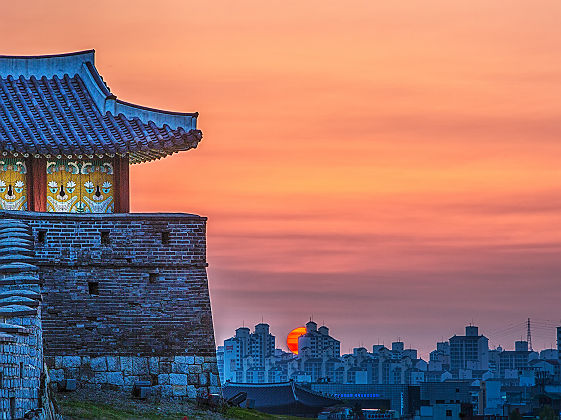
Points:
(27, 57)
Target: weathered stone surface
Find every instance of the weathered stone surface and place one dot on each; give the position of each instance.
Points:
(113, 364)
(203, 379)
(131, 380)
(126, 364)
(177, 379)
(165, 367)
(98, 364)
(153, 365)
(191, 391)
(166, 391)
(193, 379)
(58, 362)
(214, 379)
(131, 324)
(195, 369)
(115, 378)
(71, 361)
(179, 391)
(56, 375)
(163, 379)
(180, 368)
(140, 366)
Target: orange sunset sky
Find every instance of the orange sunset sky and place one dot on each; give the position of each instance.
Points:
(391, 168)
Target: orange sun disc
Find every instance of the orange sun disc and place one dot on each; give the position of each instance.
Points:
(292, 339)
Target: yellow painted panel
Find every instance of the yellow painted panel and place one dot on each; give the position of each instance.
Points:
(13, 188)
(80, 186)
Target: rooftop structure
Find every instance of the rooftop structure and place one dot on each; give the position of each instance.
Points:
(66, 141)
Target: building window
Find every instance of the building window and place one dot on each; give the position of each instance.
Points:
(105, 240)
(448, 413)
(165, 238)
(93, 287)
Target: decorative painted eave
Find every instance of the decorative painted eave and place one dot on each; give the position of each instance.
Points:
(58, 106)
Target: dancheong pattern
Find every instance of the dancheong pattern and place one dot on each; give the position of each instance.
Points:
(13, 191)
(75, 186)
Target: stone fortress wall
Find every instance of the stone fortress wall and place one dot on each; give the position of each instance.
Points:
(125, 300)
(23, 378)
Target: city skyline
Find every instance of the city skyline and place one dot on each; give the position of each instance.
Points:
(506, 341)
(392, 170)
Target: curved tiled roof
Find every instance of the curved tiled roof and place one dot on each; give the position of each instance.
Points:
(59, 106)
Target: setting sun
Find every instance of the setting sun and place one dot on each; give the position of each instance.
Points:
(292, 339)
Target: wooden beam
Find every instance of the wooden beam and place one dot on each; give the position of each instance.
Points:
(37, 184)
(121, 178)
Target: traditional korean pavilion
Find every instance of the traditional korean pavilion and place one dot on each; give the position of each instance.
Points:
(66, 141)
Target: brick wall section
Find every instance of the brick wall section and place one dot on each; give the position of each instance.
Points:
(112, 286)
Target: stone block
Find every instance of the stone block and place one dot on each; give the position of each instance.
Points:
(203, 379)
(214, 389)
(113, 364)
(165, 367)
(166, 391)
(177, 379)
(180, 368)
(100, 378)
(98, 364)
(195, 369)
(199, 360)
(72, 373)
(56, 375)
(140, 366)
(71, 361)
(86, 373)
(191, 360)
(130, 380)
(115, 378)
(180, 359)
(193, 378)
(191, 392)
(179, 391)
(58, 362)
(163, 379)
(126, 364)
(154, 365)
(208, 367)
(214, 379)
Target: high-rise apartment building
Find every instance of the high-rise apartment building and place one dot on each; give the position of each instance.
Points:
(318, 343)
(470, 351)
(245, 345)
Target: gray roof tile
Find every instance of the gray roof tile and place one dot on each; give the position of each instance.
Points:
(58, 106)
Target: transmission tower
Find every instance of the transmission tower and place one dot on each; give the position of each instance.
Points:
(529, 336)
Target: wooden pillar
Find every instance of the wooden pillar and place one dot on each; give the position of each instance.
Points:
(37, 184)
(121, 178)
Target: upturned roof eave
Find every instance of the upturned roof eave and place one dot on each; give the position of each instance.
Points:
(140, 156)
(82, 64)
